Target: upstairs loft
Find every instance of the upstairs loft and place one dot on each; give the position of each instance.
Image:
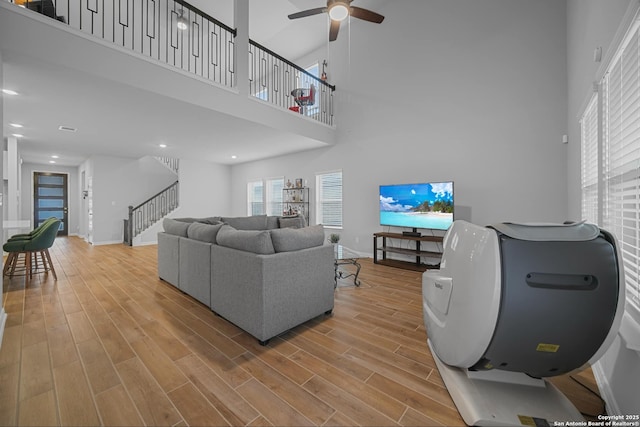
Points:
(141, 47)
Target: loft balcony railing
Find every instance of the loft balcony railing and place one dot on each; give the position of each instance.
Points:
(151, 211)
(272, 78)
(204, 47)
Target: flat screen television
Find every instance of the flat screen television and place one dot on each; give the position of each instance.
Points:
(426, 205)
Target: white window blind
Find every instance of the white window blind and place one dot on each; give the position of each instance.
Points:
(265, 196)
(621, 152)
(273, 195)
(255, 198)
(329, 198)
(589, 157)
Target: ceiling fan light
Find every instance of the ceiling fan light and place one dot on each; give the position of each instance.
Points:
(338, 12)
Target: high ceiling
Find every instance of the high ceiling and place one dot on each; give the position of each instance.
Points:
(62, 96)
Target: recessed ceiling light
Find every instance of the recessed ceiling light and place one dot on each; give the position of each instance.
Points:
(17, 135)
(162, 145)
(9, 92)
(52, 161)
(234, 157)
(15, 125)
(67, 129)
(55, 156)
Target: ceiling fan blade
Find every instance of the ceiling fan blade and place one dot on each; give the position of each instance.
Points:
(365, 14)
(333, 30)
(309, 12)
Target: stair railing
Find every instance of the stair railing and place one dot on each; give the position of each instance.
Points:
(150, 211)
(170, 162)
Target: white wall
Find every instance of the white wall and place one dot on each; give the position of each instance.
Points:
(204, 189)
(26, 192)
(3, 314)
(464, 90)
(593, 23)
(119, 183)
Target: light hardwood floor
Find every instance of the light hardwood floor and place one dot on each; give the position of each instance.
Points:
(111, 344)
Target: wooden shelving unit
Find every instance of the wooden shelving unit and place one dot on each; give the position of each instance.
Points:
(416, 252)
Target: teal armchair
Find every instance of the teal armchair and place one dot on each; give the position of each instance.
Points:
(32, 233)
(29, 248)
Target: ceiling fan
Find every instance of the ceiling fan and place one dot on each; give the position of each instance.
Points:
(338, 10)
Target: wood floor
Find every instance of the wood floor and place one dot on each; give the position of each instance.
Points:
(111, 344)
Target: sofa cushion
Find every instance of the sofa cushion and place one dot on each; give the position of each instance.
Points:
(292, 222)
(203, 232)
(255, 222)
(177, 228)
(294, 239)
(208, 220)
(186, 219)
(256, 241)
(213, 220)
(272, 222)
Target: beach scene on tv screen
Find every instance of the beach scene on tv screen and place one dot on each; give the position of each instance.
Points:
(428, 205)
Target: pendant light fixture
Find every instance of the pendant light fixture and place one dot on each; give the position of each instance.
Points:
(182, 22)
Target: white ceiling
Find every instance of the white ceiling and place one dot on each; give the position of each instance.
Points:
(108, 126)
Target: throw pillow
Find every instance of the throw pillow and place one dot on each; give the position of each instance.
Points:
(178, 228)
(255, 222)
(213, 220)
(294, 239)
(256, 241)
(292, 221)
(186, 219)
(203, 232)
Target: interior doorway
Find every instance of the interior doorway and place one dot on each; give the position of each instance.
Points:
(50, 199)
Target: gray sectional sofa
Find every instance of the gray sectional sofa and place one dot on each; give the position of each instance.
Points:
(263, 273)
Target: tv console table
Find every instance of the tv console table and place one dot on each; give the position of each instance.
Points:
(418, 252)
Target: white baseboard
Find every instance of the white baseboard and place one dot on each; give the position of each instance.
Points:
(605, 389)
(145, 243)
(108, 242)
(3, 321)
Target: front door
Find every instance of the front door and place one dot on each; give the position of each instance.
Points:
(50, 199)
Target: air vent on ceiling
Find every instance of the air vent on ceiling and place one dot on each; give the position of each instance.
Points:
(67, 129)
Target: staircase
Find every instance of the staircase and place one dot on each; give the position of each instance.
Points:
(150, 211)
(145, 215)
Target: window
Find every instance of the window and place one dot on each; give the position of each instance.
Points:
(273, 195)
(589, 157)
(265, 196)
(329, 199)
(621, 154)
(255, 199)
(616, 193)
